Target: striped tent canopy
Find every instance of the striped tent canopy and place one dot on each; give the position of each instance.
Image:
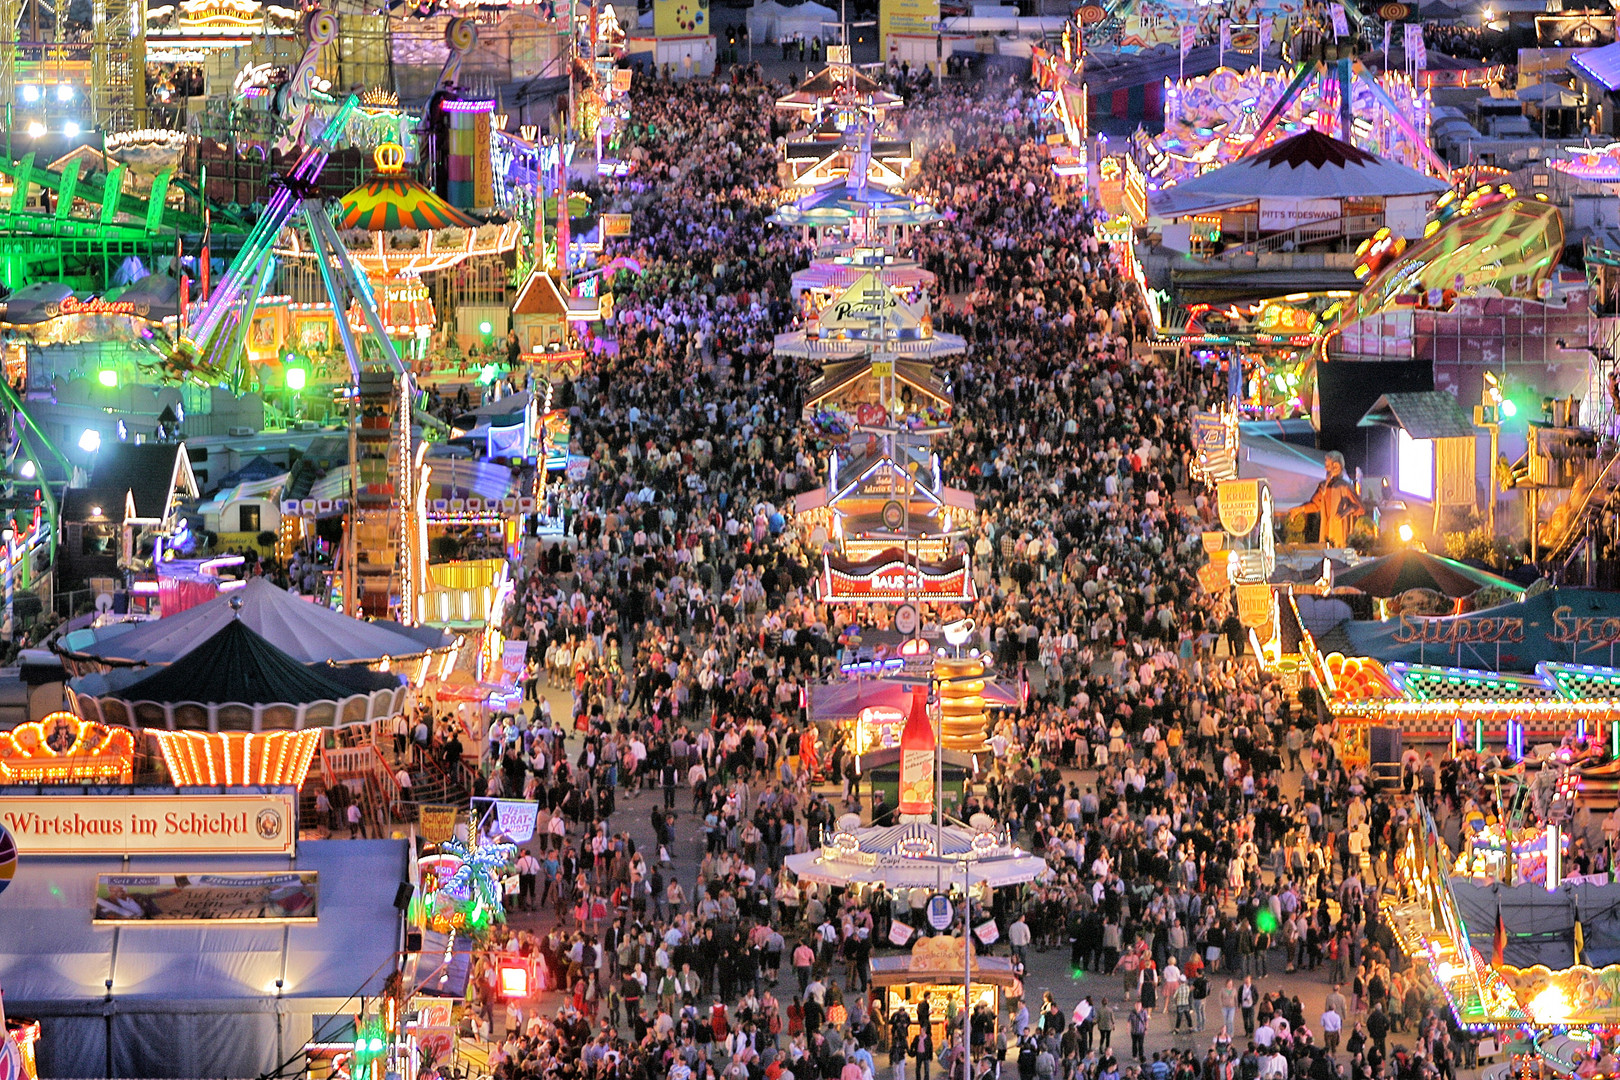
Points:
(389, 202)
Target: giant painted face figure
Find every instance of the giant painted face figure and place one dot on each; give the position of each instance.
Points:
(1334, 465)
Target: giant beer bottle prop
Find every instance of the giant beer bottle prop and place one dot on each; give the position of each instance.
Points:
(917, 757)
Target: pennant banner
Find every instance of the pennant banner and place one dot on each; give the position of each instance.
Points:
(1226, 34)
(515, 818)
(1341, 25)
(1188, 34)
(1265, 33)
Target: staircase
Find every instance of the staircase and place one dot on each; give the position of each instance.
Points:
(367, 774)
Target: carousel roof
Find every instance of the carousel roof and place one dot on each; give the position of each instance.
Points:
(917, 854)
(307, 632)
(236, 665)
(394, 201)
(1309, 165)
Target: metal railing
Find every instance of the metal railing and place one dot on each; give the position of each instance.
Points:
(1312, 232)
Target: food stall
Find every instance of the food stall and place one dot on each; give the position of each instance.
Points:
(933, 973)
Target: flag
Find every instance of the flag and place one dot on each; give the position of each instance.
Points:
(1265, 34)
(1499, 940)
(1226, 34)
(1417, 55)
(1188, 34)
(1341, 25)
(1580, 941)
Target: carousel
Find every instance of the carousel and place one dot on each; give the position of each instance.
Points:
(237, 710)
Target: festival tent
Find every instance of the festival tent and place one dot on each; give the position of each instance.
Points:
(194, 1000)
(306, 631)
(771, 21)
(1393, 574)
(1525, 640)
(1308, 167)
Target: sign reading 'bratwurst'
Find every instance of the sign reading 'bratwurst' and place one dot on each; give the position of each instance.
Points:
(152, 824)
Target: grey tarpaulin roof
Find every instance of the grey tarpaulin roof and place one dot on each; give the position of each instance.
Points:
(308, 632)
(1425, 414)
(193, 1000)
(1540, 924)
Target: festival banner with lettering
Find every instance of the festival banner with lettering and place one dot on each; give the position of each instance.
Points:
(515, 818)
(290, 897)
(265, 824)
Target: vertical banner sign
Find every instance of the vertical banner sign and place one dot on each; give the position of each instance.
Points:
(1416, 52)
(1341, 25)
(514, 656)
(1226, 42)
(1265, 36)
(1239, 504)
(483, 163)
(1188, 36)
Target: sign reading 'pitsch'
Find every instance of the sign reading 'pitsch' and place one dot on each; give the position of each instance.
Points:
(152, 824)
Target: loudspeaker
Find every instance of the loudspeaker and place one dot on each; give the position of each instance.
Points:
(413, 941)
(1384, 745)
(403, 894)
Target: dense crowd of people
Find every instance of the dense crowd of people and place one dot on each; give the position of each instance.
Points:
(1201, 831)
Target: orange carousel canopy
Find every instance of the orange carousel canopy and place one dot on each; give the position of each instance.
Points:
(394, 201)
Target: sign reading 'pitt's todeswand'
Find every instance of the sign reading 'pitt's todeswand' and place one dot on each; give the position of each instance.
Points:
(152, 824)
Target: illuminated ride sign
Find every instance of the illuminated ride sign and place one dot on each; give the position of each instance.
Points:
(893, 577)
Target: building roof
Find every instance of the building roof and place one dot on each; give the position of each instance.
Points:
(1601, 66)
(153, 474)
(1309, 165)
(540, 296)
(1423, 414)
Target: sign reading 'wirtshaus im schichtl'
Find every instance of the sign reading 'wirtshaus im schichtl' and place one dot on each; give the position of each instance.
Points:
(152, 824)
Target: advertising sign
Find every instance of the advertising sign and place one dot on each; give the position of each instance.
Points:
(1277, 215)
(515, 819)
(153, 824)
(1254, 605)
(438, 823)
(906, 17)
(217, 898)
(1239, 504)
(940, 912)
(615, 225)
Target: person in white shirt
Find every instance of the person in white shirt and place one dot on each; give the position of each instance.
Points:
(1018, 937)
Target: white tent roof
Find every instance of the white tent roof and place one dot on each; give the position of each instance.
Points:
(769, 20)
(1307, 166)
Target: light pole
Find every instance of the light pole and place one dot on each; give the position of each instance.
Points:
(1493, 407)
